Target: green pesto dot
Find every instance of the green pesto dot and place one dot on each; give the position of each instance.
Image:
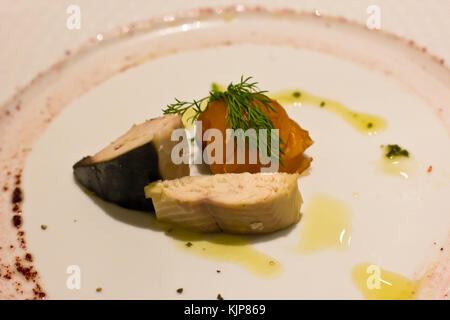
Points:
(296, 94)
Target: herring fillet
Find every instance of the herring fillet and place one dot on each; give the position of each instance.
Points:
(235, 202)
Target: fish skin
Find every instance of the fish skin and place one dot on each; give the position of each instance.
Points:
(119, 172)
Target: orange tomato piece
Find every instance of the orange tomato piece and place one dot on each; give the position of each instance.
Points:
(296, 140)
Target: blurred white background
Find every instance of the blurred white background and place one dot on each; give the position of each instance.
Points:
(33, 33)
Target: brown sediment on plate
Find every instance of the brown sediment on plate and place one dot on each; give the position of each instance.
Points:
(18, 276)
(435, 273)
(28, 113)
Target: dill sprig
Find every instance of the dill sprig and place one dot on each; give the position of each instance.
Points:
(182, 107)
(245, 102)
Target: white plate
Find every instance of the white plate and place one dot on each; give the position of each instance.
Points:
(94, 95)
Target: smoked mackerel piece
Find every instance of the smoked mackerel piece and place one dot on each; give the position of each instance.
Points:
(119, 172)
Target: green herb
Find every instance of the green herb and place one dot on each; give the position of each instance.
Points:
(296, 94)
(188, 244)
(322, 104)
(370, 125)
(215, 87)
(245, 102)
(181, 107)
(394, 150)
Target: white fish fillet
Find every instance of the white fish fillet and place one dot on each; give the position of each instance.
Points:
(234, 202)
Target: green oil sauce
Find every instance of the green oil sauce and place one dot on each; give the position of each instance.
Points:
(378, 284)
(364, 123)
(400, 165)
(224, 248)
(186, 119)
(325, 224)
